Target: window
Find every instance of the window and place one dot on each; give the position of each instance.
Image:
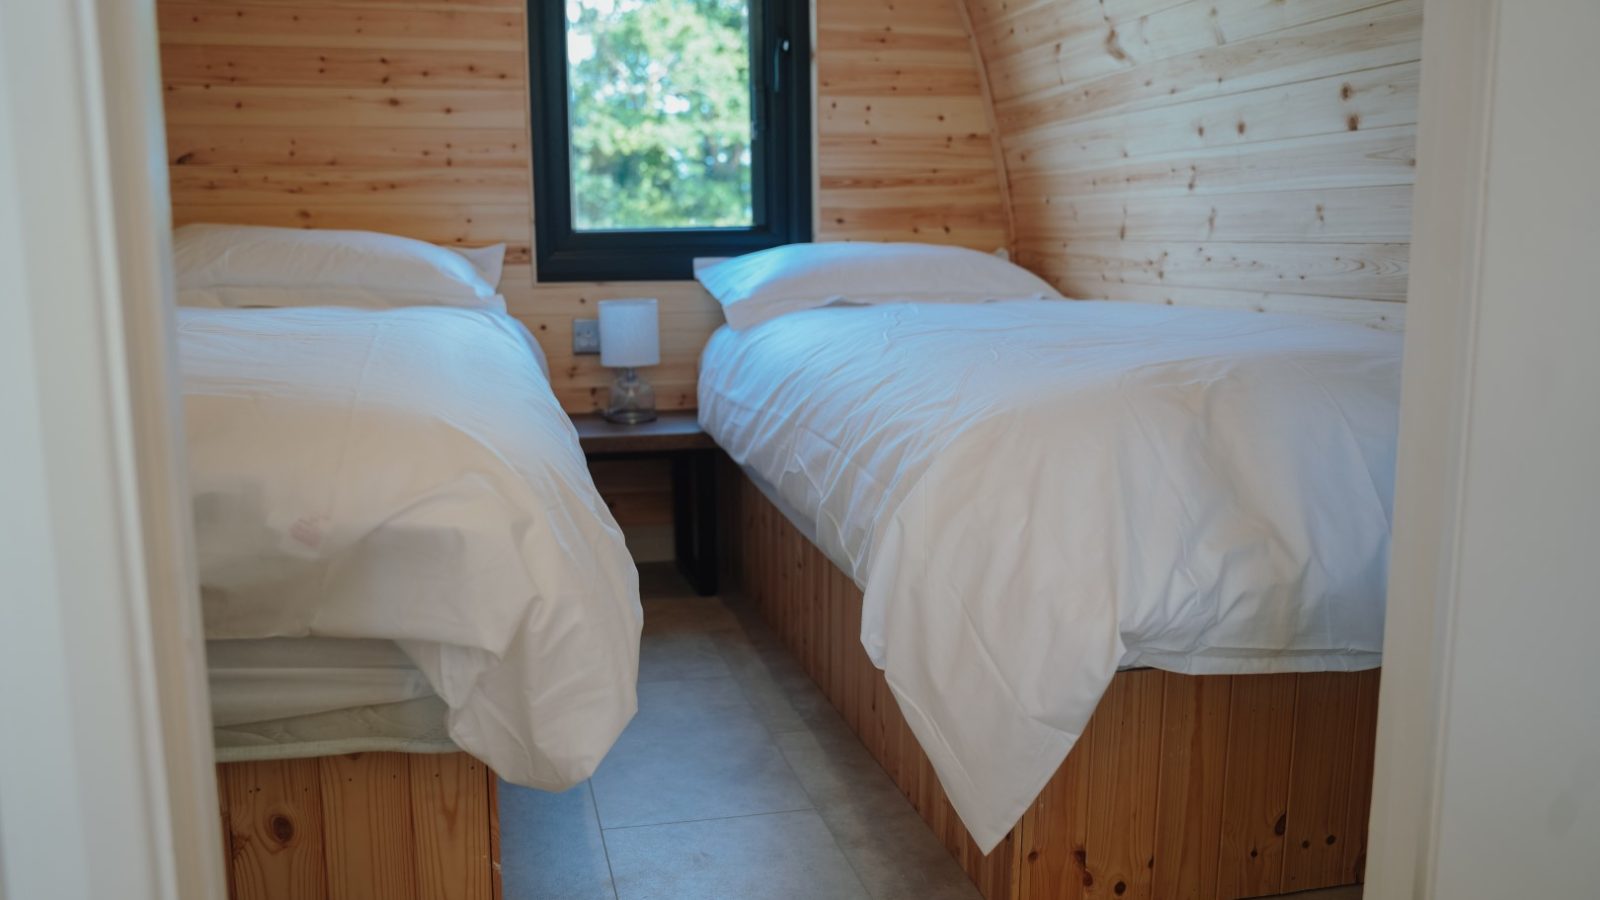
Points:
(666, 130)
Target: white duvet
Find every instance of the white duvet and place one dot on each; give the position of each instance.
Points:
(1034, 494)
(408, 475)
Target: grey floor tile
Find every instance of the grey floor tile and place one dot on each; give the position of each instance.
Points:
(836, 770)
(782, 693)
(550, 846)
(695, 751)
(894, 854)
(784, 856)
(887, 843)
(665, 615)
(661, 581)
(677, 655)
(710, 792)
(760, 686)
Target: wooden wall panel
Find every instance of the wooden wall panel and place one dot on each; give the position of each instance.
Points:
(274, 826)
(366, 809)
(406, 116)
(385, 826)
(411, 116)
(1246, 153)
(1180, 788)
(455, 854)
(905, 149)
(1256, 786)
(1194, 753)
(1123, 788)
(1325, 731)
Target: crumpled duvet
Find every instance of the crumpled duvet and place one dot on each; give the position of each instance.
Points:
(408, 475)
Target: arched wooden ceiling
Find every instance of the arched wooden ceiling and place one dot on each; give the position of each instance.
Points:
(1254, 153)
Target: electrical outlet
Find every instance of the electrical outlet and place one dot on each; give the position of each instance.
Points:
(585, 336)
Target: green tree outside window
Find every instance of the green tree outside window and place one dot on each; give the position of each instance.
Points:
(659, 110)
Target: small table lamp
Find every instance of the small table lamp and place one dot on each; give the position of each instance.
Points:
(629, 338)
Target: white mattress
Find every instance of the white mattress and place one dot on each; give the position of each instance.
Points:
(282, 698)
(407, 475)
(280, 678)
(410, 726)
(1035, 494)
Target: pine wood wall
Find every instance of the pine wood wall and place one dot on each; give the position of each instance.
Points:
(1252, 153)
(905, 144)
(361, 826)
(1227, 152)
(1234, 152)
(411, 116)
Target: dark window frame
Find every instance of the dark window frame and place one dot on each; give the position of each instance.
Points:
(780, 69)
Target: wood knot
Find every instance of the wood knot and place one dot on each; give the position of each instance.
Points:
(1033, 855)
(1330, 841)
(282, 828)
(1119, 888)
(1282, 825)
(1114, 47)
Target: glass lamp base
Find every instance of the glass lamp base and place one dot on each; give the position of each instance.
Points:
(629, 416)
(633, 400)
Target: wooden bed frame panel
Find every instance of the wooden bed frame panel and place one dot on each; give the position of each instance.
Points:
(1181, 787)
(384, 826)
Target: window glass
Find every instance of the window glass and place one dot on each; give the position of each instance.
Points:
(659, 114)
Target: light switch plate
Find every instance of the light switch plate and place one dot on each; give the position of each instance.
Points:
(585, 336)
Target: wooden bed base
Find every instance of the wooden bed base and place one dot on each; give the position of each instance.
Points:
(1182, 787)
(384, 826)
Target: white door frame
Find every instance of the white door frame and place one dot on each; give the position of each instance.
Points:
(1489, 718)
(106, 784)
(1441, 312)
(105, 764)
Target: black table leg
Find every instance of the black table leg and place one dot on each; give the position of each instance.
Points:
(694, 518)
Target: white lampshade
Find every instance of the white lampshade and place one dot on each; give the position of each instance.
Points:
(629, 335)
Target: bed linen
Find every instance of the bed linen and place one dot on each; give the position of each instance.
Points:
(409, 726)
(268, 679)
(293, 698)
(407, 475)
(1035, 494)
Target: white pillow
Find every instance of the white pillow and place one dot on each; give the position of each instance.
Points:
(251, 265)
(490, 261)
(761, 286)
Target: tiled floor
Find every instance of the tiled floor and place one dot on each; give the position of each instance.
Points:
(736, 780)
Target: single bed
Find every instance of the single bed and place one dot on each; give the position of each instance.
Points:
(1004, 505)
(409, 582)
(276, 697)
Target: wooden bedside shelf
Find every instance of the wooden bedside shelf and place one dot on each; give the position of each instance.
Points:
(672, 431)
(677, 436)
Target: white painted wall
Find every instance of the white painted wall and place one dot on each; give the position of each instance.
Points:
(106, 784)
(1488, 782)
